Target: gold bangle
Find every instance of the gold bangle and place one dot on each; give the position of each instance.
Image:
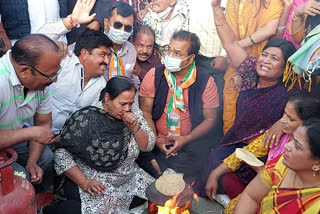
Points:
(297, 19)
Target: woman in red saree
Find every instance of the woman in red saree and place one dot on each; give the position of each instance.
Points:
(291, 182)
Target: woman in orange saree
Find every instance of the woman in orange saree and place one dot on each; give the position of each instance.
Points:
(253, 23)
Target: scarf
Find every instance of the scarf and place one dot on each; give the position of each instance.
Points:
(116, 65)
(96, 138)
(176, 102)
(297, 64)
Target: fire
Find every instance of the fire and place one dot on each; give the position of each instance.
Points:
(171, 206)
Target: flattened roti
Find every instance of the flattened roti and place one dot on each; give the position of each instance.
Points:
(248, 157)
(170, 184)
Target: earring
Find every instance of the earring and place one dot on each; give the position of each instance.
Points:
(315, 168)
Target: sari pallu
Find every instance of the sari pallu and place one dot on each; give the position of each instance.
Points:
(245, 17)
(257, 110)
(285, 200)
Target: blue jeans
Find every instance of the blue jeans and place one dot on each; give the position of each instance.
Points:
(45, 160)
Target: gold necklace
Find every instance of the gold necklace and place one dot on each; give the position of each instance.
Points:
(294, 183)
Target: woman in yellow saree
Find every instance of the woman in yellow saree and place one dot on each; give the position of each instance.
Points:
(253, 23)
(290, 183)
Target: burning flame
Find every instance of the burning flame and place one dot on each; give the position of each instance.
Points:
(171, 206)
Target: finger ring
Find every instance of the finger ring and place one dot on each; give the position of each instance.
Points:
(273, 137)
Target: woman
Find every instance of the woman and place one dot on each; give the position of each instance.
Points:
(261, 101)
(253, 23)
(298, 108)
(97, 150)
(291, 182)
(305, 18)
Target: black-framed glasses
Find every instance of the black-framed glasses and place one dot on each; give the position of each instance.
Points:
(118, 25)
(52, 79)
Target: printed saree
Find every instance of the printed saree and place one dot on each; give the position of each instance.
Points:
(285, 200)
(245, 17)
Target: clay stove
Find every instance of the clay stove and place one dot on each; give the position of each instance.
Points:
(162, 204)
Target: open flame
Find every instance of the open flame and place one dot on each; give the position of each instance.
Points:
(171, 206)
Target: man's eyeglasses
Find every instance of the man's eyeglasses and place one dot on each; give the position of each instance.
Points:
(46, 76)
(118, 25)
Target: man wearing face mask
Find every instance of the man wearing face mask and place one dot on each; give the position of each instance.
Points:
(180, 103)
(118, 26)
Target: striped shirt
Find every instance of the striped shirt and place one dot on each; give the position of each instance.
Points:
(15, 109)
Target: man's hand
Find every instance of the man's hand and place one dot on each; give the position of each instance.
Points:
(43, 135)
(212, 185)
(179, 142)
(35, 171)
(215, 3)
(95, 25)
(93, 187)
(219, 63)
(141, 14)
(161, 143)
(63, 49)
(81, 11)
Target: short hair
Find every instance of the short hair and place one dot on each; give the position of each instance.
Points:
(115, 86)
(306, 106)
(123, 9)
(91, 39)
(313, 136)
(30, 48)
(144, 29)
(192, 38)
(286, 47)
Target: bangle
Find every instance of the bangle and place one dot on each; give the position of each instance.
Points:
(2, 31)
(74, 24)
(297, 19)
(217, 25)
(282, 27)
(136, 131)
(250, 37)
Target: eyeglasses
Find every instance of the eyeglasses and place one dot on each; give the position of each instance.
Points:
(174, 53)
(46, 76)
(118, 25)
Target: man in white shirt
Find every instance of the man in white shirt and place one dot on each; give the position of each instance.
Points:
(81, 78)
(25, 72)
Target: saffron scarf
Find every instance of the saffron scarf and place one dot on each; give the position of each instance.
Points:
(176, 102)
(286, 200)
(116, 66)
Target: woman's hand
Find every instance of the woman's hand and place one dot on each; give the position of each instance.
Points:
(93, 187)
(131, 120)
(310, 8)
(81, 11)
(212, 185)
(273, 135)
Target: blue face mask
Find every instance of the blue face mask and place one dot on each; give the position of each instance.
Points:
(314, 64)
(173, 64)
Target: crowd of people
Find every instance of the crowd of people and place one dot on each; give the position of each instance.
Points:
(107, 95)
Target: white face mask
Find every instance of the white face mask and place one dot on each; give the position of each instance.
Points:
(117, 36)
(173, 64)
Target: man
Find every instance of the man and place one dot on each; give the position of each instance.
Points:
(212, 56)
(183, 102)
(143, 40)
(25, 72)
(81, 78)
(118, 27)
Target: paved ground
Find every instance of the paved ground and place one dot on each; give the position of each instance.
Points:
(204, 206)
